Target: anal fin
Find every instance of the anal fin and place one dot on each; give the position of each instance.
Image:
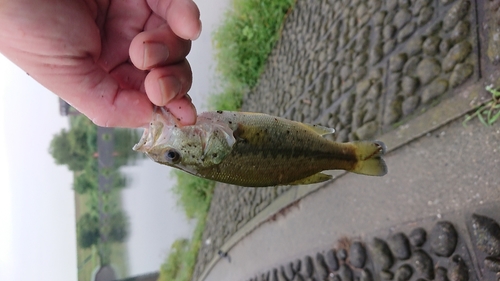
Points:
(319, 177)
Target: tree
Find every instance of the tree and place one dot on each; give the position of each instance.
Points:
(75, 146)
(87, 231)
(119, 226)
(60, 148)
(119, 180)
(124, 140)
(85, 182)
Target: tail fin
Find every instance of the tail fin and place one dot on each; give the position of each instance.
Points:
(370, 160)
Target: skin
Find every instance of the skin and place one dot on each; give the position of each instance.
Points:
(112, 60)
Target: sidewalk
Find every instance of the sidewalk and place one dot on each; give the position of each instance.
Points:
(399, 71)
(444, 176)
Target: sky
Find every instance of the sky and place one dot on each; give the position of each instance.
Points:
(37, 215)
(156, 220)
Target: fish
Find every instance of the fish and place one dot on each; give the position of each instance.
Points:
(255, 149)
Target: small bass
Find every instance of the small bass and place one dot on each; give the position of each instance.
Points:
(255, 150)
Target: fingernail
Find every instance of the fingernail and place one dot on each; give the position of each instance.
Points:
(154, 54)
(169, 88)
(199, 32)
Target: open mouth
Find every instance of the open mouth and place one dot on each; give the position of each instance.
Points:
(147, 140)
(160, 121)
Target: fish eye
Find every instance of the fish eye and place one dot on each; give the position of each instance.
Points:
(172, 156)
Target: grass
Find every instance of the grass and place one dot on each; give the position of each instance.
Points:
(118, 258)
(242, 44)
(114, 253)
(488, 113)
(195, 195)
(106, 137)
(88, 259)
(174, 264)
(230, 99)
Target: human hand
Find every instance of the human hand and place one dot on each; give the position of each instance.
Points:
(111, 60)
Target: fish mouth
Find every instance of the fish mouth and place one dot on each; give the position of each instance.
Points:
(147, 140)
(161, 122)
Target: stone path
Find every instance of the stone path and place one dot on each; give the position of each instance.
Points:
(364, 68)
(231, 208)
(446, 175)
(423, 250)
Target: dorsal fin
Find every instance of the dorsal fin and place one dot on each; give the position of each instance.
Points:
(320, 130)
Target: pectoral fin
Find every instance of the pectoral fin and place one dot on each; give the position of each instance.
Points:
(319, 177)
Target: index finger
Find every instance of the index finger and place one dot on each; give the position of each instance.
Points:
(183, 16)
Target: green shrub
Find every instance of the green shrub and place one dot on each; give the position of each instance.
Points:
(180, 263)
(242, 45)
(193, 193)
(190, 257)
(175, 260)
(75, 146)
(489, 113)
(87, 231)
(246, 38)
(230, 99)
(84, 182)
(194, 196)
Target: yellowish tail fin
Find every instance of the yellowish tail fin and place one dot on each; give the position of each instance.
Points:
(370, 162)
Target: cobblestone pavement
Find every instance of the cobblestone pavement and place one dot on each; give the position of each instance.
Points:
(231, 208)
(363, 68)
(423, 250)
